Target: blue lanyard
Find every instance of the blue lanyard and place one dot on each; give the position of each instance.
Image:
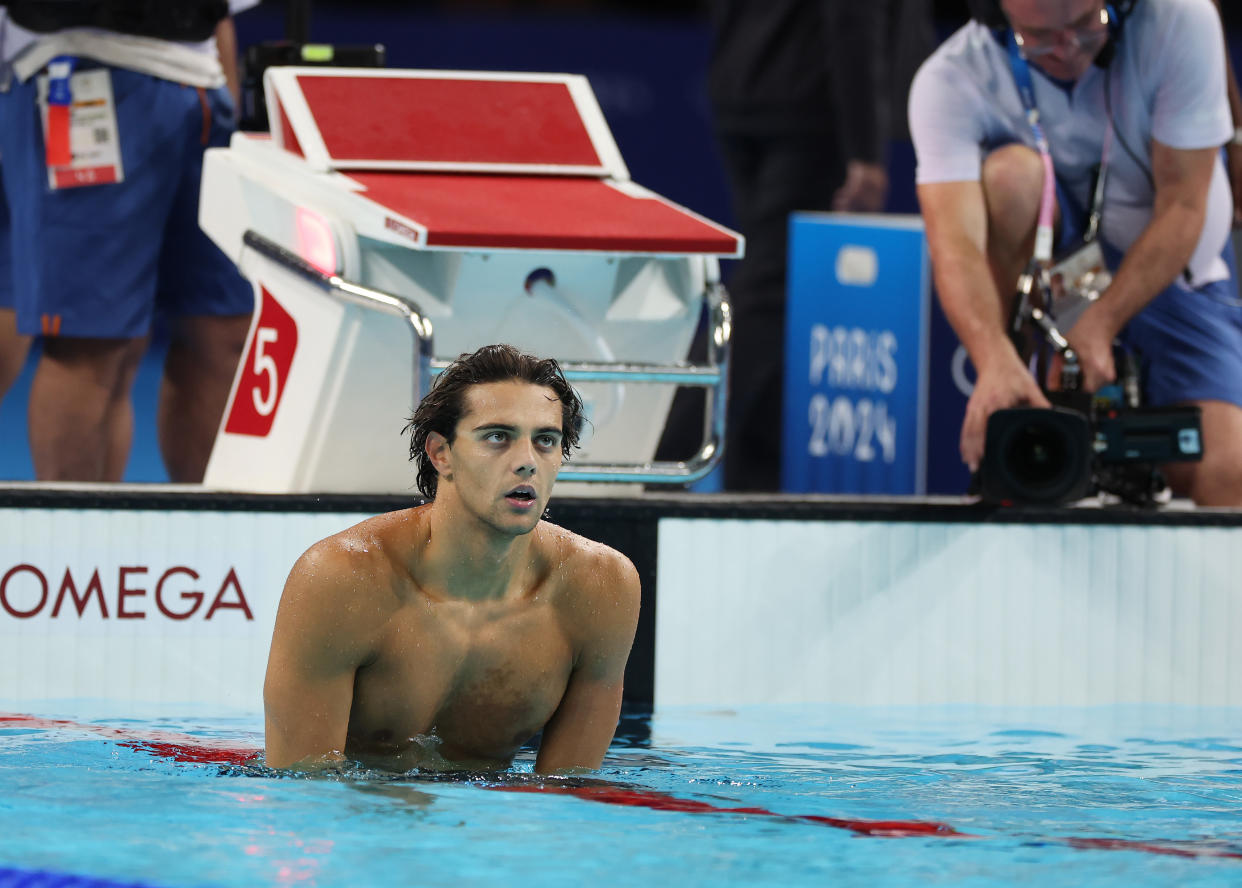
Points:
(1026, 89)
(1047, 203)
(1026, 92)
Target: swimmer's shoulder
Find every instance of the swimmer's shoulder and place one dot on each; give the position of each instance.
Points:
(590, 571)
(338, 600)
(361, 561)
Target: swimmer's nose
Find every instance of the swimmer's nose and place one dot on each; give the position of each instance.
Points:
(526, 467)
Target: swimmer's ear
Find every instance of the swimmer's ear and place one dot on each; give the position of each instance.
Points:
(439, 452)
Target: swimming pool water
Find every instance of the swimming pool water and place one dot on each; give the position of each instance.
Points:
(983, 796)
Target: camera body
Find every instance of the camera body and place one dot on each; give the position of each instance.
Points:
(1037, 455)
(1087, 443)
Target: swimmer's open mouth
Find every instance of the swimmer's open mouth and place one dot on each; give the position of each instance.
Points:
(524, 492)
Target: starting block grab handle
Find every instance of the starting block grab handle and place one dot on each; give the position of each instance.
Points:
(713, 376)
(355, 294)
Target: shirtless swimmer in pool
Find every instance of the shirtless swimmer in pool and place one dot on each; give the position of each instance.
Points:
(447, 635)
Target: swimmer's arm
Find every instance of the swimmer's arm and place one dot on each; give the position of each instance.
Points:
(315, 652)
(579, 732)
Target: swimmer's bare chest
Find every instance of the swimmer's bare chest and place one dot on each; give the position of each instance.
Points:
(453, 687)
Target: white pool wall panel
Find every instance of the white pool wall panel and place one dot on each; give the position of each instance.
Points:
(746, 611)
(906, 613)
(137, 653)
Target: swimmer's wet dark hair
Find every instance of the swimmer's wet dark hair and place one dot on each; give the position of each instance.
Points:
(441, 409)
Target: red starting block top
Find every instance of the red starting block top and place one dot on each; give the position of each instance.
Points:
(544, 213)
(359, 118)
(482, 160)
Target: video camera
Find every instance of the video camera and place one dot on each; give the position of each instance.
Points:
(1086, 444)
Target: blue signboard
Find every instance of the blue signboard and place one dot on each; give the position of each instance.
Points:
(872, 405)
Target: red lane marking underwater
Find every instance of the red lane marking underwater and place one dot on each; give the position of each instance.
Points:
(1171, 850)
(658, 801)
(202, 750)
(165, 744)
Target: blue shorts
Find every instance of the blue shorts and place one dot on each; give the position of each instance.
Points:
(96, 261)
(6, 254)
(1189, 341)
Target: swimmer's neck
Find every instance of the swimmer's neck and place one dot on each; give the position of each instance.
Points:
(465, 558)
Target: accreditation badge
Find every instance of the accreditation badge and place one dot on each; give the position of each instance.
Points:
(1078, 279)
(79, 126)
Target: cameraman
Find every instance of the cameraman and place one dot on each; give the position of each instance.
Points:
(1139, 92)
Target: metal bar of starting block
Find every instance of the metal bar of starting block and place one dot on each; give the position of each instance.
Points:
(365, 297)
(675, 374)
(713, 376)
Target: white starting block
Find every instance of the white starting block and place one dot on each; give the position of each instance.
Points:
(484, 207)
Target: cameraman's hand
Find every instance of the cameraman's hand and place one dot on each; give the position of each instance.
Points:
(1006, 385)
(1092, 339)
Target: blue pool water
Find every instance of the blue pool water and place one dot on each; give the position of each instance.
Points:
(1113, 796)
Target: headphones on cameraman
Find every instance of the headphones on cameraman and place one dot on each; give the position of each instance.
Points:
(990, 14)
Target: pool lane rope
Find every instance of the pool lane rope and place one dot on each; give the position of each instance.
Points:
(188, 748)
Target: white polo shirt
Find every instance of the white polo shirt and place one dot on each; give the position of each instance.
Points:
(1166, 82)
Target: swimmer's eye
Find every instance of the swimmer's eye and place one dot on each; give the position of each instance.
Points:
(496, 437)
(548, 442)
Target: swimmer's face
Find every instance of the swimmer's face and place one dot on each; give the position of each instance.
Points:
(506, 453)
(1061, 37)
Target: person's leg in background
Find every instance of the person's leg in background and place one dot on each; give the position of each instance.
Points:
(13, 345)
(770, 177)
(13, 349)
(1217, 479)
(198, 373)
(81, 416)
(86, 279)
(1190, 343)
(87, 435)
(211, 306)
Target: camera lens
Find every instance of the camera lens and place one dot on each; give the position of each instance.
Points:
(1037, 454)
